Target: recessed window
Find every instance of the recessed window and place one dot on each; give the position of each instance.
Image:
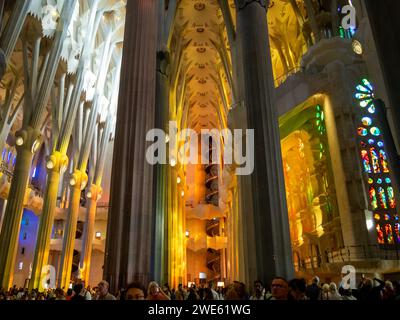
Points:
(20, 265)
(23, 250)
(25, 236)
(98, 235)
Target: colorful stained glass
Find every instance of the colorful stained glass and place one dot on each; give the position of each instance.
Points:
(375, 131)
(365, 160)
(380, 144)
(381, 240)
(379, 181)
(391, 200)
(362, 131)
(396, 217)
(389, 233)
(370, 180)
(366, 121)
(372, 198)
(365, 103)
(377, 216)
(382, 198)
(363, 144)
(371, 109)
(375, 161)
(397, 231)
(384, 163)
(387, 217)
(367, 84)
(371, 141)
(387, 180)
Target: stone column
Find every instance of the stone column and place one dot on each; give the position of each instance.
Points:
(88, 234)
(130, 235)
(3, 210)
(160, 174)
(269, 247)
(78, 182)
(27, 142)
(56, 165)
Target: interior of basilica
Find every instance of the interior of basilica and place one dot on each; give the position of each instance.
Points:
(83, 82)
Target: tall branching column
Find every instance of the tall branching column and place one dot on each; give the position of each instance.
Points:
(64, 110)
(37, 92)
(85, 136)
(56, 166)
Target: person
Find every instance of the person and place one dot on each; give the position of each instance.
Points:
(333, 293)
(388, 292)
(103, 293)
(324, 293)
(154, 292)
(180, 294)
(135, 291)
(313, 290)
(258, 291)
(215, 295)
(279, 289)
(60, 295)
(166, 289)
(297, 289)
(348, 295)
(78, 288)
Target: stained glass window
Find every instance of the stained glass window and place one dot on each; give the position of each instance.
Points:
(384, 163)
(390, 193)
(372, 198)
(375, 160)
(397, 231)
(382, 198)
(389, 233)
(365, 160)
(376, 166)
(381, 240)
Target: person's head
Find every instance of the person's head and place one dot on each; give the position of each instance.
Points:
(78, 288)
(279, 288)
(258, 286)
(297, 289)
(135, 291)
(325, 288)
(333, 287)
(180, 286)
(153, 289)
(166, 287)
(315, 280)
(103, 287)
(368, 283)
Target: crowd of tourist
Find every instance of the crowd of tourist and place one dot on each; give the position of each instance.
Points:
(280, 289)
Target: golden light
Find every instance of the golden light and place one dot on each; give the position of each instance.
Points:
(182, 193)
(19, 141)
(166, 138)
(36, 145)
(178, 180)
(50, 164)
(357, 47)
(89, 194)
(187, 233)
(72, 181)
(173, 162)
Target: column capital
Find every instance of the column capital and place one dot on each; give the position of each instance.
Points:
(78, 180)
(57, 162)
(95, 192)
(241, 4)
(28, 138)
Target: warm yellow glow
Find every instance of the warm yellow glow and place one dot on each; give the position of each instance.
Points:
(182, 193)
(173, 162)
(19, 141)
(50, 164)
(89, 194)
(178, 180)
(72, 181)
